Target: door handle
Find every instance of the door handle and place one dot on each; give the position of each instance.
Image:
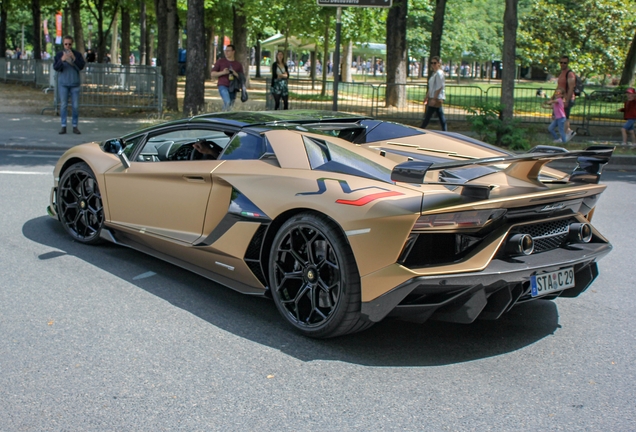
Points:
(195, 179)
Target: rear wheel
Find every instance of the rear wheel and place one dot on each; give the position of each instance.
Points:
(314, 279)
(79, 204)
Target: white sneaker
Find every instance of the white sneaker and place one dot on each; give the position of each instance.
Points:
(570, 136)
(558, 141)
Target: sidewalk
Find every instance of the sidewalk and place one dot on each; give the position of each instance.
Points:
(40, 132)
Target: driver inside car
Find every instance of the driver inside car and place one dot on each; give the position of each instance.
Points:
(209, 149)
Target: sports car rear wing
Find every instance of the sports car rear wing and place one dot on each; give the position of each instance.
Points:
(589, 166)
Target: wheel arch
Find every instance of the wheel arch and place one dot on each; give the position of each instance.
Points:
(277, 223)
(72, 161)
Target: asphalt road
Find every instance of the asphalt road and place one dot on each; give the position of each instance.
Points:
(106, 338)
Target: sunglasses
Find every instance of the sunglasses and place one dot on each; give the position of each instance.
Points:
(69, 44)
(563, 62)
(434, 63)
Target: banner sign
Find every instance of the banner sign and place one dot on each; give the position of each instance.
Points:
(45, 27)
(58, 28)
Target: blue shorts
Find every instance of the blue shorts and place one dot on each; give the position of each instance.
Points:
(629, 124)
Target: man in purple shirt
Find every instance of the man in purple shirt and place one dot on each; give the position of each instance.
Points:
(227, 69)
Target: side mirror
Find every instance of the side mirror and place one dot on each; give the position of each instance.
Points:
(123, 158)
(113, 145)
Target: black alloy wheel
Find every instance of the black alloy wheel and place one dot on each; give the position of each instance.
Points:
(314, 279)
(79, 204)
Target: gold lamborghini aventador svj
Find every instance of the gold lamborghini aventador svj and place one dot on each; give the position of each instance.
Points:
(342, 220)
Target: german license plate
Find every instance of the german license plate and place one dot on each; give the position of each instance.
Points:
(546, 283)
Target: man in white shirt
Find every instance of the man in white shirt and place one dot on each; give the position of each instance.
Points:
(435, 95)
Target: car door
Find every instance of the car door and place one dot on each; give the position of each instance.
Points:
(164, 192)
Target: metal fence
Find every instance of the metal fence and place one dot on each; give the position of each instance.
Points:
(598, 108)
(119, 86)
(36, 72)
(103, 85)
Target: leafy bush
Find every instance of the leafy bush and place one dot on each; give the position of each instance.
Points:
(485, 121)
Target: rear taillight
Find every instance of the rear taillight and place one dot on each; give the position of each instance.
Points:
(458, 220)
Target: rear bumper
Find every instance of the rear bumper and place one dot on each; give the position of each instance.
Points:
(486, 294)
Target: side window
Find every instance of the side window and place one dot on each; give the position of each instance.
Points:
(131, 144)
(380, 131)
(177, 145)
(244, 146)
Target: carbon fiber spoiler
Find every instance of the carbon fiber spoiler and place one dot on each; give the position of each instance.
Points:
(590, 164)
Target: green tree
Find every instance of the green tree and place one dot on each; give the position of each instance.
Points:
(595, 34)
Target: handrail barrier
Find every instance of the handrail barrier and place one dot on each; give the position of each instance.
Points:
(119, 86)
(140, 87)
(103, 85)
(598, 108)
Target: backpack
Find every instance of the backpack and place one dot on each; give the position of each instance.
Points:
(578, 83)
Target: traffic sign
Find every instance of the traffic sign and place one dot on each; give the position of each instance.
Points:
(354, 3)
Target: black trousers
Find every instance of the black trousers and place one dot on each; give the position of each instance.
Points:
(277, 99)
(429, 113)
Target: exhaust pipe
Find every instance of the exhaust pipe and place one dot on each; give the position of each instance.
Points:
(520, 244)
(580, 232)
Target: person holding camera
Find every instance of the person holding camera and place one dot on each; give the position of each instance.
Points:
(226, 70)
(68, 63)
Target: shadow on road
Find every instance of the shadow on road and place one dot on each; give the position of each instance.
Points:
(389, 343)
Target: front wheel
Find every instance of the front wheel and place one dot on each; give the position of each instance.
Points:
(79, 204)
(314, 279)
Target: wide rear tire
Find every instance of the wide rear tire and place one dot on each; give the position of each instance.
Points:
(314, 278)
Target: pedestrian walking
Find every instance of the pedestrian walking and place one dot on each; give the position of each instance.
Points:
(68, 63)
(629, 114)
(226, 70)
(558, 110)
(567, 81)
(435, 95)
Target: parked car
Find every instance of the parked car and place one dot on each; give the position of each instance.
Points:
(343, 220)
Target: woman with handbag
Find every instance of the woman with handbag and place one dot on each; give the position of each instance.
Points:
(435, 95)
(280, 75)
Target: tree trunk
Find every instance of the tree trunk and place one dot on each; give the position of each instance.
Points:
(125, 35)
(114, 42)
(3, 29)
(436, 31)
(347, 58)
(630, 63)
(508, 59)
(194, 101)
(239, 32)
(78, 30)
(37, 25)
(161, 8)
(143, 22)
(150, 44)
(325, 55)
(258, 54)
(312, 69)
(170, 69)
(210, 53)
(396, 54)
